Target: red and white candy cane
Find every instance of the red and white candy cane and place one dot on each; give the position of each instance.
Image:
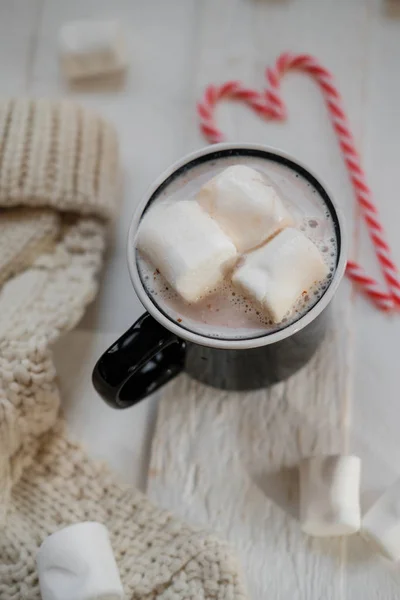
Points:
(270, 105)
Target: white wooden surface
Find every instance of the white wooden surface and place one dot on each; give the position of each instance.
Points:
(226, 461)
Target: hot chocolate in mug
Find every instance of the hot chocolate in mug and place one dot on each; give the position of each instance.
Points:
(159, 346)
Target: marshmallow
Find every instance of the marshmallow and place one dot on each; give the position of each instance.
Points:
(330, 495)
(275, 275)
(187, 246)
(77, 563)
(91, 48)
(245, 205)
(382, 522)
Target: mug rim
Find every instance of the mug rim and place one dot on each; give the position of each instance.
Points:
(234, 344)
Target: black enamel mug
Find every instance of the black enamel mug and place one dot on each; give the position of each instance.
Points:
(156, 348)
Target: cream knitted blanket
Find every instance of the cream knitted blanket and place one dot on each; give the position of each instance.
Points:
(58, 180)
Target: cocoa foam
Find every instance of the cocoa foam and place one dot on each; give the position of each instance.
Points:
(225, 313)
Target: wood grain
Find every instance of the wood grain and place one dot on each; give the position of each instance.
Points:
(374, 434)
(18, 29)
(150, 111)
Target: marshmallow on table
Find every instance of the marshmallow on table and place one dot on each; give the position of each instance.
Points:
(92, 48)
(330, 495)
(245, 205)
(382, 522)
(275, 275)
(187, 246)
(77, 563)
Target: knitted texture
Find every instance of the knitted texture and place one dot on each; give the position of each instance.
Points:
(57, 154)
(58, 164)
(25, 233)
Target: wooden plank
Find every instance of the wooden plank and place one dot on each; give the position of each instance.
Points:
(375, 412)
(227, 460)
(146, 110)
(225, 50)
(18, 24)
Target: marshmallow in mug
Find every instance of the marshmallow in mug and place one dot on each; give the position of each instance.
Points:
(275, 275)
(330, 495)
(187, 246)
(245, 205)
(381, 524)
(77, 563)
(92, 48)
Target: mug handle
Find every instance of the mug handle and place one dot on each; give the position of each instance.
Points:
(142, 360)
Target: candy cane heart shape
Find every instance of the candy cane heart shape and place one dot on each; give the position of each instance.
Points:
(233, 90)
(270, 105)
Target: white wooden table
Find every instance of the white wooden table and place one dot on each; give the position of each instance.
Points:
(175, 48)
